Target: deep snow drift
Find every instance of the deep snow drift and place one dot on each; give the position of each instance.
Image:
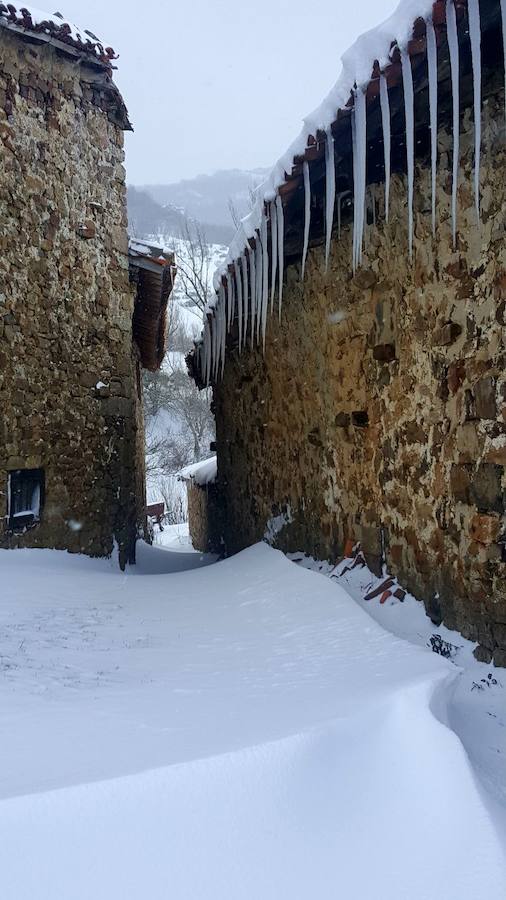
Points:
(242, 730)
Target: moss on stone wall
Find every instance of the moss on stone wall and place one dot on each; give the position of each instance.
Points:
(379, 409)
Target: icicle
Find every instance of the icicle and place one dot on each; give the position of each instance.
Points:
(259, 269)
(265, 277)
(223, 334)
(354, 153)
(330, 192)
(387, 140)
(230, 301)
(218, 338)
(409, 107)
(208, 353)
(281, 249)
(473, 11)
(214, 354)
(222, 322)
(205, 375)
(204, 354)
(432, 67)
(238, 291)
(453, 45)
(359, 133)
(274, 250)
(503, 19)
(253, 286)
(307, 214)
(245, 288)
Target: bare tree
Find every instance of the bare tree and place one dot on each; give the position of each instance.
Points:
(173, 494)
(194, 263)
(192, 408)
(232, 208)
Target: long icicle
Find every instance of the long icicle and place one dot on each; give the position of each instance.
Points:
(359, 129)
(212, 326)
(215, 343)
(238, 291)
(208, 354)
(503, 20)
(432, 68)
(330, 192)
(223, 335)
(253, 288)
(473, 11)
(354, 153)
(281, 250)
(453, 45)
(218, 336)
(409, 108)
(230, 301)
(307, 214)
(274, 250)
(259, 269)
(245, 289)
(204, 354)
(387, 139)
(265, 277)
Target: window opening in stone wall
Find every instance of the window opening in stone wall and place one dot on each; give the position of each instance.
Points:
(25, 498)
(360, 419)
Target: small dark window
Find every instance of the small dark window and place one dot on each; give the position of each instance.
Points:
(26, 498)
(360, 419)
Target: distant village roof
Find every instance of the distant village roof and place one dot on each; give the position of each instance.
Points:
(54, 27)
(154, 271)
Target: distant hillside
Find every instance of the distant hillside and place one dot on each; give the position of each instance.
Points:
(207, 197)
(147, 218)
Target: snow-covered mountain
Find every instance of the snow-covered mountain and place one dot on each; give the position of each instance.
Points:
(159, 208)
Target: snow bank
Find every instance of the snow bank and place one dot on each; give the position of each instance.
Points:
(200, 473)
(244, 731)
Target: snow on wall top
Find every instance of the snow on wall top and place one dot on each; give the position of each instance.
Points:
(357, 64)
(201, 473)
(30, 19)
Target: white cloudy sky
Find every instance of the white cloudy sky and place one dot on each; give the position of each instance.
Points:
(215, 84)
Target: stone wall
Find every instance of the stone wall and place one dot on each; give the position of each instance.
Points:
(204, 516)
(69, 374)
(379, 410)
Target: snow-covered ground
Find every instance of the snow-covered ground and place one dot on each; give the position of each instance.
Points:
(237, 730)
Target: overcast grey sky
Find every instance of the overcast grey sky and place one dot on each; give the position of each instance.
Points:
(218, 84)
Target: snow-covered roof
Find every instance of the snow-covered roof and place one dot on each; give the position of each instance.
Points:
(381, 72)
(155, 275)
(357, 65)
(154, 254)
(201, 473)
(55, 27)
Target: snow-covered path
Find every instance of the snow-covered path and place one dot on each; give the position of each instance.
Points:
(242, 730)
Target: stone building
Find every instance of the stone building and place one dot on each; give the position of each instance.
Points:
(78, 318)
(377, 411)
(203, 504)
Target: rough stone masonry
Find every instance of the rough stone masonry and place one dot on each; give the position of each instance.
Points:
(69, 381)
(378, 413)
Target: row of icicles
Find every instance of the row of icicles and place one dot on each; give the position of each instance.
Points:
(252, 287)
